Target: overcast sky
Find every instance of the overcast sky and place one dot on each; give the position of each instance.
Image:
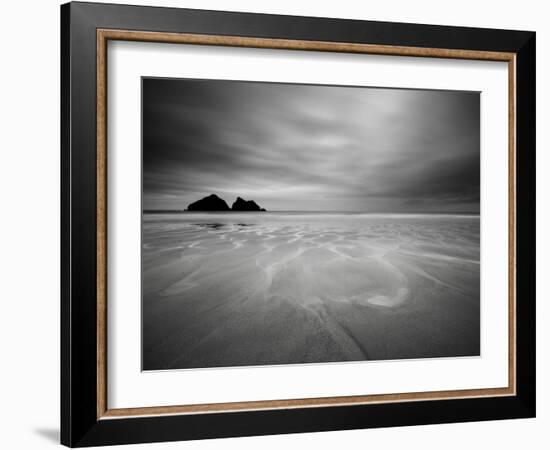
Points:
(311, 148)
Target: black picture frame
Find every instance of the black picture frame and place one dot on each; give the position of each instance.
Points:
(80, 425)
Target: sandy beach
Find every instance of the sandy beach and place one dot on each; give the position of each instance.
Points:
(236, 289)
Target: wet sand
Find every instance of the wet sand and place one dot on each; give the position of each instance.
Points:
(253, 289)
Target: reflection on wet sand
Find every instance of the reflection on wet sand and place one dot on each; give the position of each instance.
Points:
(249, 289)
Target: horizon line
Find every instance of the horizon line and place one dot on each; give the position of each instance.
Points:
(313, 211)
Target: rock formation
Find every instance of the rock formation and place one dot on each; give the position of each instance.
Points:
(210, 203)
(215, 203)
(245, 205)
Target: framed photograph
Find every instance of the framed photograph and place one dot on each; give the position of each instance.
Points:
(277, 224)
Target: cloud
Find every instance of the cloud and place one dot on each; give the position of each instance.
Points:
(307, 147)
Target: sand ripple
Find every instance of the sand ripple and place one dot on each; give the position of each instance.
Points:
(218, 286)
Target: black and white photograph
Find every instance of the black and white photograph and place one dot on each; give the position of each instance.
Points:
(298, 223)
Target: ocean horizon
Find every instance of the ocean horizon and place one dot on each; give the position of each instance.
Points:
(374, 213)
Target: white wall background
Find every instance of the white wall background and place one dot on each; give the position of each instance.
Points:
(29, 229)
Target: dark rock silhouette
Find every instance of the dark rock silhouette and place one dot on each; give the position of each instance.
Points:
(244, 205)
(210, 203)
(215, 203)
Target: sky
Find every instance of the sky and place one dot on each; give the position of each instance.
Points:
(296, 147)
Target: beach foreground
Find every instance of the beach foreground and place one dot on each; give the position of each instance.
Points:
(234, 289)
